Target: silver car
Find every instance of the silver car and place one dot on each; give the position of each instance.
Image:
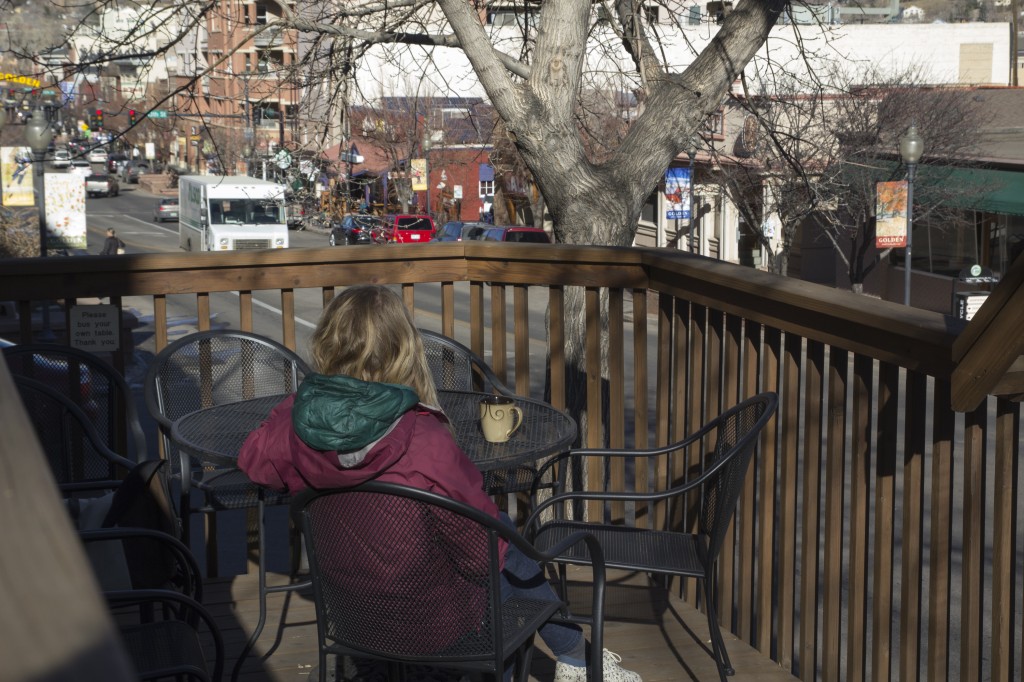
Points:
(165, 209)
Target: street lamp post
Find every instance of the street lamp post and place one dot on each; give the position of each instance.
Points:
(692, 154)
(911, 148)
(426, 166)
(38, 135)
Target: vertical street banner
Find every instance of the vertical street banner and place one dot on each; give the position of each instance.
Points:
(16, 176)
(419, 175)
(891, 214)
(677, 193)
(65, 211)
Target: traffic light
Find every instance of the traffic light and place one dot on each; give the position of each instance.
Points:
(131, 116)
(99, 119)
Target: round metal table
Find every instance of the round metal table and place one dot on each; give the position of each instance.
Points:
(215, 435)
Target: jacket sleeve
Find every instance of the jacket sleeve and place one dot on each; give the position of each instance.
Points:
(265, 456)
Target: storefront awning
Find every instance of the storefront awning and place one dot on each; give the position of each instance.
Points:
(998, 191)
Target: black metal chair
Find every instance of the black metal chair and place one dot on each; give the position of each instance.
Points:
(91, 383)
(166, 629)
(724, 448)
(457, 368)
(215, 368)
(173, 641)
(78, 455)
(420, 584)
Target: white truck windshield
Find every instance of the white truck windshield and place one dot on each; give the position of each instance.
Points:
(245, 212)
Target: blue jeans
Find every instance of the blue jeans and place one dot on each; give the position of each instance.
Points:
(523, 577)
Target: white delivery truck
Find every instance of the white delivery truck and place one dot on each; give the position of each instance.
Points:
(230, 213)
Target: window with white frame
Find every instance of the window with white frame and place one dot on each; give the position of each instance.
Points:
(486, 188)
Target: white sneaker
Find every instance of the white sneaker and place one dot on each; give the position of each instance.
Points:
(613, 672)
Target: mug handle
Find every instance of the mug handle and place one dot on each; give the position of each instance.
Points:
(519, 420)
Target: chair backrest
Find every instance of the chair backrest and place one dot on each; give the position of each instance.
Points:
(402, 574)
(735, 434)
(457, 368)
(79, 457)
(92, 383)
(216, 368)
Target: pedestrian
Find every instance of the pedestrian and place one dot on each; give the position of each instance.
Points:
(371, 414)
(112, 245)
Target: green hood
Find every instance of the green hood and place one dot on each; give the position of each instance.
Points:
(344, 414)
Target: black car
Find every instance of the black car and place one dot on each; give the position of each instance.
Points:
(355, 229)
(458, 231)
(116, 161)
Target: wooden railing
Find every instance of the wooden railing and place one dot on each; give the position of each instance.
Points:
(878, 536)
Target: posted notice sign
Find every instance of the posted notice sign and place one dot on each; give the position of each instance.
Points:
(891, 214)
(95, 328)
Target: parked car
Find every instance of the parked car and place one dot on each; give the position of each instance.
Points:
(97, 155)
(458, 231)
(80, 167)
(61, 158)
(515, 233)
(355, 229)
(116, 161)
(99, 184)
(408, 229)
(131, 171)
(296, 213)
(165, 209)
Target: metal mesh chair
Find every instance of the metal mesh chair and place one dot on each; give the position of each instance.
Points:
(457, 368)
(724, 447)
(92, 384)
(168, 634)
(215, 368)
(411, 577)
(78, 455)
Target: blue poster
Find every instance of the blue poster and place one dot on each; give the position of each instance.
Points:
(677, 193)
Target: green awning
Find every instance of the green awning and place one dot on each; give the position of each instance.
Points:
(997, 191)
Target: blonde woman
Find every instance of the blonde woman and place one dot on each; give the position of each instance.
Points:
(370, 413)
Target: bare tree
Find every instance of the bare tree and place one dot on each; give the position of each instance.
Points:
(535, 76)
(817, 153)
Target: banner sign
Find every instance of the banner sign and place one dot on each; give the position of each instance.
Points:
(419, 175)
(891, 214)
(16, 176)
(65, 211)
(677, 193)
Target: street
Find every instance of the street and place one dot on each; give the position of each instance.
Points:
(131, 215)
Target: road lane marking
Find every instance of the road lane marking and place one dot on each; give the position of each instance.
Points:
(138, 220)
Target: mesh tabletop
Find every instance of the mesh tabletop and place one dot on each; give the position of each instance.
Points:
(215, 434)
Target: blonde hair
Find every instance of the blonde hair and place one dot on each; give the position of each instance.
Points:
(367, 333)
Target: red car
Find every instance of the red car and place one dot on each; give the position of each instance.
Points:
(408, 229)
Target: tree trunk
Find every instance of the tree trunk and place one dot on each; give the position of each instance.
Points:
(593, 203)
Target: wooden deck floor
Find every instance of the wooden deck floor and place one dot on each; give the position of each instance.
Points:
(659, 637)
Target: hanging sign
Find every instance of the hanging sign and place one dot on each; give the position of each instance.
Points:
(677, 193)
(891, 214)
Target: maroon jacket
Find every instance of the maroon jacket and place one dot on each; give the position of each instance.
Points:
(418, 451)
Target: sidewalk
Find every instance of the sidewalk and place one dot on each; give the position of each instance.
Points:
(157, 184)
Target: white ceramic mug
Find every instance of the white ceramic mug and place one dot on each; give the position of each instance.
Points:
(499, 418)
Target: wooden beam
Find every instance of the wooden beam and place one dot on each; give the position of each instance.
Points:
(55, 625)
(990, 344)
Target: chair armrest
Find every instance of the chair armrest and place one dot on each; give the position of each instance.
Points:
(191, 577)
(597, 565)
